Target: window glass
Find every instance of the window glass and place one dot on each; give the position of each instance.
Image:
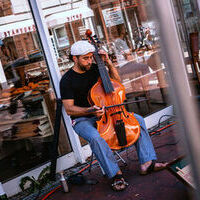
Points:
(62, 39)
(187, 18)
(130, 35)
(27, 100)
(129, 32)
(126, 29)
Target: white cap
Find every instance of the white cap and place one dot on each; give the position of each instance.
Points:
(81, 47)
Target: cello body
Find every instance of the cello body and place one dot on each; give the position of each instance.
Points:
(117, 127)
(127, 123)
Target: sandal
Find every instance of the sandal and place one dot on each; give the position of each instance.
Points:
(152, 168)
(118, 183)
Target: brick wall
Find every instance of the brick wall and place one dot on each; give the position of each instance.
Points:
(69, 33)
(5, 8)
(24, 44)
(75, 25)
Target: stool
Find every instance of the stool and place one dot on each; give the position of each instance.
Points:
(115, 153)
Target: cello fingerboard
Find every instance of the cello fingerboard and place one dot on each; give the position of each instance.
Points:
(107, 85)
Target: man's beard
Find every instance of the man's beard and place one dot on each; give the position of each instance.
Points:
(84, 68)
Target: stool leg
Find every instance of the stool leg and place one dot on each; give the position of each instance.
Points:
(101, 169)
(120, 158)
(90, 167)
(92, 157)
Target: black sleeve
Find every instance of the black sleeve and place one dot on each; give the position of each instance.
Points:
(66, 91)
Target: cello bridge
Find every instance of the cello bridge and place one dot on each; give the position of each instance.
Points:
(116, 113)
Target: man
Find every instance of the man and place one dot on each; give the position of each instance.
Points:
(74, 86)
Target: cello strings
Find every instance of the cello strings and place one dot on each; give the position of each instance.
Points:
(108, 87)
(105, 77)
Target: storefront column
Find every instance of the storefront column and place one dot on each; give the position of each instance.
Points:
(185, 107)
(103, 22)
(3, 80)
(127, 22)
(54, 72)
(73, 35)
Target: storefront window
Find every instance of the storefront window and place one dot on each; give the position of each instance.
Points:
(61, 36)
(27, 101)
(125, 29)
(130, 35)
(187, 17)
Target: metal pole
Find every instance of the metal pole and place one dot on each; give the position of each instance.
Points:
(54, 72)
(127, 23)
(185, 106)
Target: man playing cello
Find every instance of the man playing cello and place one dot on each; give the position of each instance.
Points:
(74, 86)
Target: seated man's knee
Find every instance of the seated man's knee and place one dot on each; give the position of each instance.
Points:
(139, 118)
(95, 138)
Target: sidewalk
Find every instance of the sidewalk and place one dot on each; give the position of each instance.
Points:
(156, 186)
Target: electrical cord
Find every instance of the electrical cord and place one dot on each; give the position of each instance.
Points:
(154, 134)
(51, 192)
(159, 123)
(158, 132)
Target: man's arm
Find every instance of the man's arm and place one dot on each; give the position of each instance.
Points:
(112, 71)
(74, 110)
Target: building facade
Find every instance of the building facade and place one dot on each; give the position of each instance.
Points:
(127, 30)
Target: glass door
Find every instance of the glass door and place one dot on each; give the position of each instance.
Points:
(129, 32)
(187, 18)
(27, 100)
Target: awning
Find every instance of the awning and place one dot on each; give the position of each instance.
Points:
(16, 28)
(68, 16)
(25, 26)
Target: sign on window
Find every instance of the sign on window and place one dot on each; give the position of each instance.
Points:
(113, 16)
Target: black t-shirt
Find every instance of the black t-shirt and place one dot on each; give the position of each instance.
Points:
(76, 86)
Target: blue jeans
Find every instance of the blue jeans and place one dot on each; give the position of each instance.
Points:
(85, 127)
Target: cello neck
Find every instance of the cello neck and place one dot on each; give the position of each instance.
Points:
(107, 85)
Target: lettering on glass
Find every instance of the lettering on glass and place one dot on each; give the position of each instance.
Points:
(17, 31)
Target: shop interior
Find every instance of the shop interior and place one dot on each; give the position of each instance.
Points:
(27, 111)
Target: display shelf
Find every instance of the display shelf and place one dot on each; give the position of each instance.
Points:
(27, 136)
(22, 120)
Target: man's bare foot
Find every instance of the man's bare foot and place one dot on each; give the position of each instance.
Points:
(152, 166)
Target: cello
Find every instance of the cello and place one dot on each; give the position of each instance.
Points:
(117, 127)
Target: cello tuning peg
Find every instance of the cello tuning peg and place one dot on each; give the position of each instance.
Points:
(88, 32)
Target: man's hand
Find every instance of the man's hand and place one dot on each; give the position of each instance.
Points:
(104, 56)
(96, 111)
(112, 70)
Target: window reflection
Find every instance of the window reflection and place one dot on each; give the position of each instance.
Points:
(27, 100)
(131, 37)
(187, 18)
